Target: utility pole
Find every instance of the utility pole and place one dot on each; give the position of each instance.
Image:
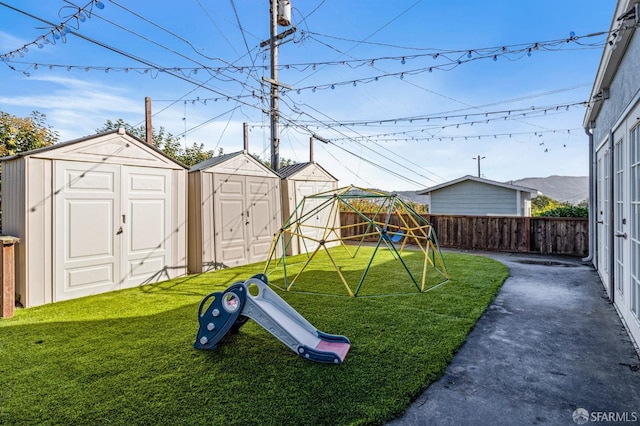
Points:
(275, 119)
(478, 158)
(280, 13)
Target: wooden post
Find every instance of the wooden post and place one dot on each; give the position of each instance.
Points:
(245, 133)
(7, 273)
(147, 120)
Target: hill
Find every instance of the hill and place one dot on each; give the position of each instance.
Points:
(572, 189)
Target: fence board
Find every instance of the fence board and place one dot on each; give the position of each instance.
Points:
(545, 235)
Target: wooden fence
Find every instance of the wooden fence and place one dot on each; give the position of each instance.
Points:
(545, 235)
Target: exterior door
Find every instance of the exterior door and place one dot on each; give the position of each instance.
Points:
(146, 225)
(86, 239)
(634, 219)
(314, 226)
(619, 219)
(261, 213)
(245, 218)
(230, 220)
(602, 204)
(112, 227)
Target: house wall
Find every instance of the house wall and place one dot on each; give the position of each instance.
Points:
(617, 217)
(474, 198)
(622, 91)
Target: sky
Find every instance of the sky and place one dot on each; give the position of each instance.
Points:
(406, 94)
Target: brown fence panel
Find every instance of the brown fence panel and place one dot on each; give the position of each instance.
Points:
(569, 236)
(560, 235)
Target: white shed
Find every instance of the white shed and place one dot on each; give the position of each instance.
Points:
(96, 214)
(302, 180)
(234, 212)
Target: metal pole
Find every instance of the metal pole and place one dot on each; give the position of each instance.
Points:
(275, 125)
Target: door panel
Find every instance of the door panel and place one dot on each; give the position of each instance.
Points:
(261, 213)
(602, 203)
(619, 219)
(145, 225)
(634, 225)
(230, 226)
(87, 249)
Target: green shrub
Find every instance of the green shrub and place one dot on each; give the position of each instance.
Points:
(565, 211)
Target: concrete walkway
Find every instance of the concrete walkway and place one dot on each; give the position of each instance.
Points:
(550, 344)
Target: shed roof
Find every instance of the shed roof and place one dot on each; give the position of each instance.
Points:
(236, 162)
(479, 180)
(213, 161)
(99, 150)
(293, 169)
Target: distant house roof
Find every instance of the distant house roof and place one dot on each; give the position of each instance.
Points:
(292, 169)
(479, 180)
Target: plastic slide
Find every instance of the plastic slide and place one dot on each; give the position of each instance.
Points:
(229, 310)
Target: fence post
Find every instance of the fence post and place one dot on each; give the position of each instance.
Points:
(7, 276)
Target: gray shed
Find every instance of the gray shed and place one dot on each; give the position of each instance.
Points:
(234, 211)
(96, 214)
(476, 196)
(301, 180)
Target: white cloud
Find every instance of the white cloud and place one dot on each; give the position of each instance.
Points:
(9, 43)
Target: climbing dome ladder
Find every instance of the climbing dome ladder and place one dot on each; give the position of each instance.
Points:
(315, 227)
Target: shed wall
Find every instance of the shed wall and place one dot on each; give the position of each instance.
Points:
(474, 198)
(30, 193)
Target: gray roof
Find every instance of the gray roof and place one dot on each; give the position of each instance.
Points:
(214, 161)
(292, 169)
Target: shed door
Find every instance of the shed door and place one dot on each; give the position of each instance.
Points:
(315, 223)
(86, 239)
(146, 225)
(112, 227)
(230, 226)
(262, 210)
(245, 220)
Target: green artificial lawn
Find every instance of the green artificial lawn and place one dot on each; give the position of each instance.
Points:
(127, 357)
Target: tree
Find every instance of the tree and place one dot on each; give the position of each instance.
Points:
(548, 207)
(166, 142)
(267, 161)
(24, 134)
(542, 203)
